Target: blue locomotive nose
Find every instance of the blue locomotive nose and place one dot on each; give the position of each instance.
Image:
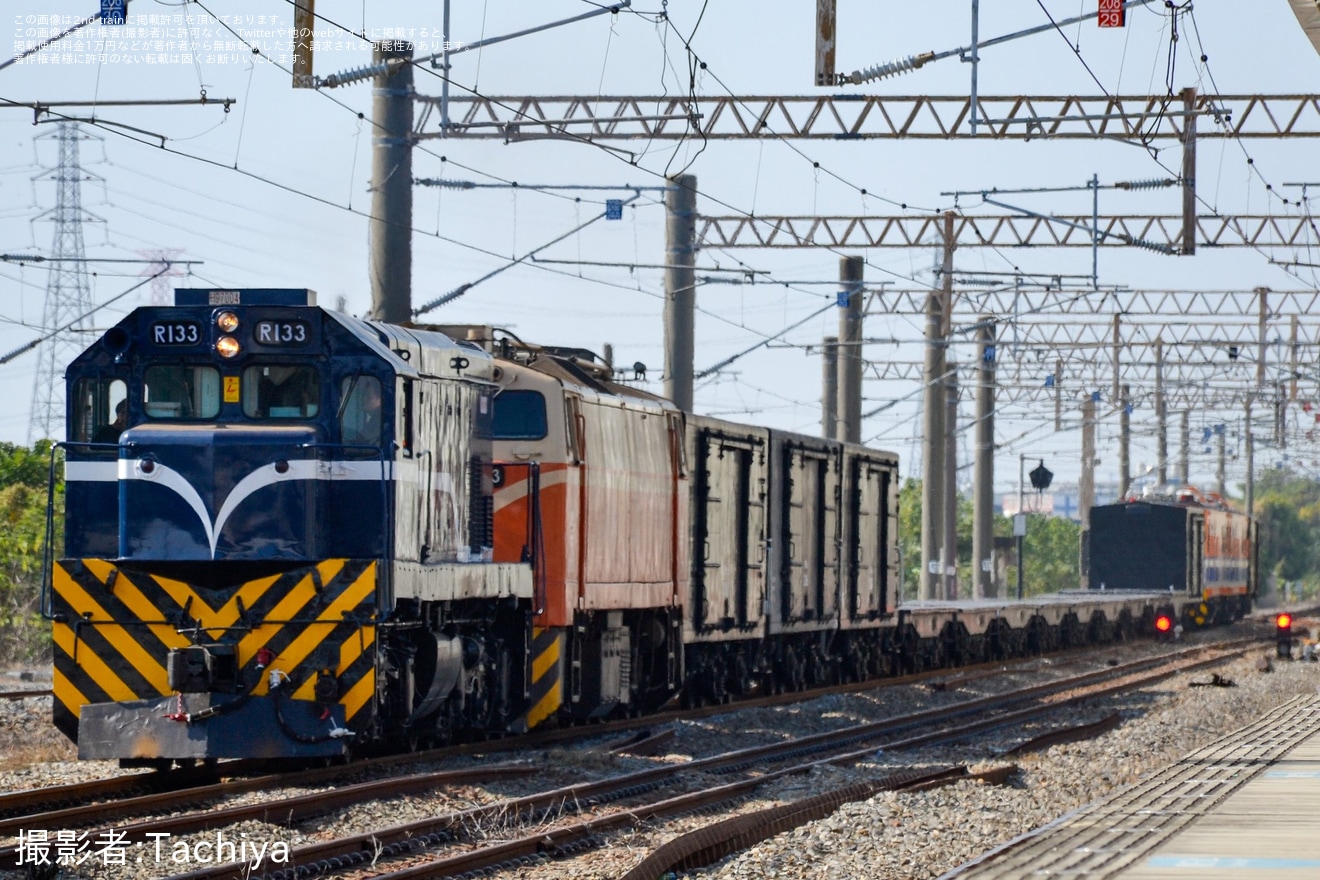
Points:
(219, 492)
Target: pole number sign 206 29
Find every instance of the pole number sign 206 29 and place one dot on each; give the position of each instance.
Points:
(1111, 13)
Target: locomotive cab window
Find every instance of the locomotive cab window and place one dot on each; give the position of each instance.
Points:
(281, 391)
(519, 415)
(360, 411)
(181, 391)
(97, 416)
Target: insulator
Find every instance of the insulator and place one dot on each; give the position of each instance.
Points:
(1152, 246)
(890, 68)
(357, 74)
(1154, 183)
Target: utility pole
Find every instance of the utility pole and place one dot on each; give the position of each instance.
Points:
(1220, 465)
(390, 227)
(1249, 448)
(1118, 348)
(1189, 171)
(1262, 324)
(825, 42)
(1058, 395)
(983, 500)
(949, 558)
(851, 302)
(1086, 486)
(1184, 449)
(932, 441)
(68, 291)
(680, 288)
(1161, 416)
(829, 387)
(1124, 444)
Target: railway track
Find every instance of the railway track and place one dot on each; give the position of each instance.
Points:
(846, 746)
(25, 694)
(192, 785)
(960, 720)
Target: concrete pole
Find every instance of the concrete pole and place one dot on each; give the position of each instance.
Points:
(1058, 395)
(1292, 345)
(1086, 485)
(1161, 417)
(825, 42)
(1249, 442)
(932, 441)
(851, 301)
(1184, 449)
(1118, 349)
(390, 227)
(983, 499)
(1189, 172)
(1262, 328)
(829, 387)
(1124, 445)
(949, 554)
(680, 288)
(1220, 465)
(1280, 417)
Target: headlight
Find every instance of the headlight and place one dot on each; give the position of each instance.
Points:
(227, 322)
(226, 346)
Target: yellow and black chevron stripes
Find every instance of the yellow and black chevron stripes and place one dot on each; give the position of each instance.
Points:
(547, 691)
(114, 628)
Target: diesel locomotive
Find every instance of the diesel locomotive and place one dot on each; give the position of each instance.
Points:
(294, 533)
(1183, 543)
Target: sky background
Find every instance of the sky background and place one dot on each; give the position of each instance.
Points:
(274, 193)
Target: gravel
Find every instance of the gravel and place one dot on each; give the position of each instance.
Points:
(922, 835)
(908, 835)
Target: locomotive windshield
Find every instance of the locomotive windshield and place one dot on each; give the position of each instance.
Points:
(360, 416)
(96, 405)
(281, 391)
(519, 415)
(181, 391)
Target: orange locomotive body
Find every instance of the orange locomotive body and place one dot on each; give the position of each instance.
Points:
(591, 490)
(679, 554)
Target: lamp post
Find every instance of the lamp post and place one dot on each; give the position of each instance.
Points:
(1020, 525)
(1040, 480)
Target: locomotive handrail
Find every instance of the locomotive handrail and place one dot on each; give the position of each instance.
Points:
(45, 599)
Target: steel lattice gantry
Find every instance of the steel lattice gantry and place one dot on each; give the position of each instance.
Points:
(1203, 350)
(1156, 232)
(859, 117)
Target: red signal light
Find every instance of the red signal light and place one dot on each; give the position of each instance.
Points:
(1283, 621)
(1163, 623)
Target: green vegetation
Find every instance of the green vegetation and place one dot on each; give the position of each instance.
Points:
(1288, 513)
(24, 473)
(1051, 547)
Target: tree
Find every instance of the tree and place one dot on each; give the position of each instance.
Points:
(1051, 547)
(24, 477)
(1287, 509)
(1052, 555)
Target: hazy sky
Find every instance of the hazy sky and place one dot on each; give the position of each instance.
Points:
(274, 192)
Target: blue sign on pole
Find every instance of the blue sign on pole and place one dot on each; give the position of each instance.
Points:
(614, 209)
(113, 11)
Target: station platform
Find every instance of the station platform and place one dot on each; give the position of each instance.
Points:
(1243, 807)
